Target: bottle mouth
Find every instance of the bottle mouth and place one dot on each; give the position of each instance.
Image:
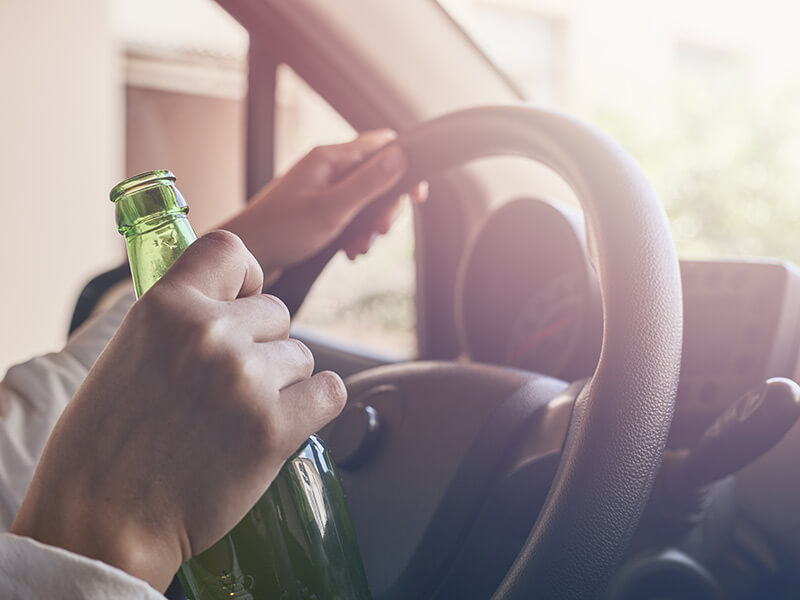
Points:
(141, 181)
(142, 201)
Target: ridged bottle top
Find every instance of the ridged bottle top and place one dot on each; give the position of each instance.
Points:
(144, 197)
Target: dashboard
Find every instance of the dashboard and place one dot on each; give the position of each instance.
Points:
(529, 298)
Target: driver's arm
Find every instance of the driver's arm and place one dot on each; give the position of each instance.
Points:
(32, 398)
(289, 220)
(33, 395)
(118, 501)
(301, 212)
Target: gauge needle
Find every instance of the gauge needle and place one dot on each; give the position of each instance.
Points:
(537, 337)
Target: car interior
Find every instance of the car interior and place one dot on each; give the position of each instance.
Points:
(587, 415)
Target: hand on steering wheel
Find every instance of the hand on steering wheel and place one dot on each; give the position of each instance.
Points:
(299, 213)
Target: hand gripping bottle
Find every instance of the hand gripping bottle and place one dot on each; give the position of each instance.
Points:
(297, 542)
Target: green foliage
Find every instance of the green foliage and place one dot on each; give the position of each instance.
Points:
(726, 164)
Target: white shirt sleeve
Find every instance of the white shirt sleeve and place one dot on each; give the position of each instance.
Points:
(30, 570)
(32, 397)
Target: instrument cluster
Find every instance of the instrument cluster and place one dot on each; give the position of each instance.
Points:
(529, 298)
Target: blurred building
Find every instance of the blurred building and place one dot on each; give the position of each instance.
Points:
(184, 66)
(98, 90)
(60, 151)
(580, 54)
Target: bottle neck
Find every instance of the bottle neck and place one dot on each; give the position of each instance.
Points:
(154, 244)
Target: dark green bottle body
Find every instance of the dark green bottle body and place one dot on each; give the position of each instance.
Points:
(298, 541)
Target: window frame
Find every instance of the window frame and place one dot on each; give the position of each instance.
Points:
(293, 34)
(288, 290)
(264, 61)
(261, 108)
(265, 55)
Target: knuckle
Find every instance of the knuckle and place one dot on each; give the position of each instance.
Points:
(333, 390)
(154, 306)
(207, 333)
(225, 242)
(319, 153)
(265, 432)
(305, 356)
(263, 418)
(240, 378)
(279, 312)
(223, 236)
(234, 369)
(216, 350)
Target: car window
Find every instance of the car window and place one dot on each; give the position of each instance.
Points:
(185, 88)
(710, 106)
(185, 83)
(369, 301)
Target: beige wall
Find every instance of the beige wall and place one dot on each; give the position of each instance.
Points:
(199, 138)
(60, 152)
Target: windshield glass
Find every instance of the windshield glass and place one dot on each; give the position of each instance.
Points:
(704, 93)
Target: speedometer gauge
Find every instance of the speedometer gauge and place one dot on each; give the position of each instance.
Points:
(544, 334)
(528, 294)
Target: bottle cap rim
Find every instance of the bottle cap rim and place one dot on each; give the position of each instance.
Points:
(139, 181)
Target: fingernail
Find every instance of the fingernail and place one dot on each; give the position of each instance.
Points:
(393, 160)
(387, 134)
(371, 241)
(421, 193)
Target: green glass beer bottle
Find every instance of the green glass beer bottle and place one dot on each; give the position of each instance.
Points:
(297, 542)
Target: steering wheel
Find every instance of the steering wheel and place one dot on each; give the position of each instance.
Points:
(620, 418)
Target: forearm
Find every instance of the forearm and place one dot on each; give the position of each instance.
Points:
(32, 397)
(254, 226)
(300, 213)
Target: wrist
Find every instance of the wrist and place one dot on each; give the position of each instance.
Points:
(266, 245)
(103, 534)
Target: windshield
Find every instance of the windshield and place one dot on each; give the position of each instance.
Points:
(704, 93)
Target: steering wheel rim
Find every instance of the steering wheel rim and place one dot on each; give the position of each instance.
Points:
(621, 420)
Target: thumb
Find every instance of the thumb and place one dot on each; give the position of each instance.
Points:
(368, 181)
(219, 266)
